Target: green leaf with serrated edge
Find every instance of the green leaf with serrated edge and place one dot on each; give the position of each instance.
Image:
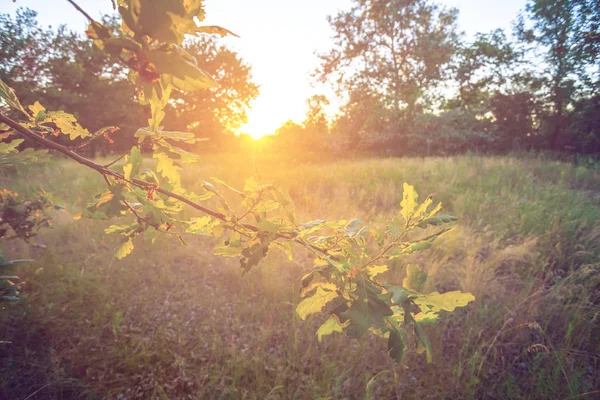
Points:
(252, 255)
(177, 70)
(11, 146)
(167, 168)
(374, 270)
(136, 160)
(396, 346)
(315, 303)
(124, 249)
(202, 226)
(122, 229)
(415, 278)
(409, 201)
(9, 96)
(448, 301)
(328, 327)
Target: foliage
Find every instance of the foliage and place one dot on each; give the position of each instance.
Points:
(395, 49)
(348, 256)
(564, 29)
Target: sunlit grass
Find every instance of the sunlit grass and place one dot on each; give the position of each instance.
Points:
(175, 321)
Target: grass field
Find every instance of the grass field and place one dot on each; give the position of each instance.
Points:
(174, 322)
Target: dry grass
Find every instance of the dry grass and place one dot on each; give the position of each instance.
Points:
(177, 322)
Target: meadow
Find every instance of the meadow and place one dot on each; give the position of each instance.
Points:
(176, 322)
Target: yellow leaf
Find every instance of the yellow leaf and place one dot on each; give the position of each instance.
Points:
(167, 167)
(376, 270)
(315, 303)
(36, 108)
(449, 301)
(409, 201)
(328, 327)
(124, 249)
(127, 171)
(422, 210)
(104, 198)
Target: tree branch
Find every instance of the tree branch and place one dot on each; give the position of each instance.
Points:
(82, 11)
(139, 183)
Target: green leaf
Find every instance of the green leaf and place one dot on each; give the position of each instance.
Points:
(268, 226)
(415, 278)
(409, 201)
(448, 301)
(315, 303)
(252, 255)
(436, 221)
(396, 346)
(368, 308)
(9, 96)
(177, 69)
(399, 294)
(328, 327)
(136, 160)
(10, 147)
(417, 247)
(167, 168)
(202, 226)
(124, 249)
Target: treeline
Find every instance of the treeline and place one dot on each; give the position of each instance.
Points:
(408, 81)
(411, 84)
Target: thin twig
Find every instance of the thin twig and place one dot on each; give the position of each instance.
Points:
(117, 160)
(582, 394)
(43, 387)
(81, 11)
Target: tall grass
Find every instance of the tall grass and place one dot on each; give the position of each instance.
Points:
(178, 322)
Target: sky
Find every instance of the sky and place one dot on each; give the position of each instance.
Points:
(278, 38)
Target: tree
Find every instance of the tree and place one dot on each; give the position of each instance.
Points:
(60, 69)
(222, 110)
(150, 201)
(481, 67)
(394, 49)
(565, 29)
